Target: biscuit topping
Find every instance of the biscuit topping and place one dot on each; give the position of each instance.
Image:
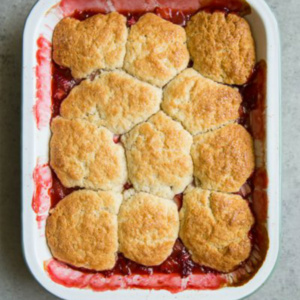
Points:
(86, 46)
(199, 103)
(156, 50)
(215, 227)
(115, 100)
(224, 158)
(127, 103)
(85, 155)
(221, 46)
(148, 228)
(82, 229)
(158, 156)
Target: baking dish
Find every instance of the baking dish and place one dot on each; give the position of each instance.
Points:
(36, 133)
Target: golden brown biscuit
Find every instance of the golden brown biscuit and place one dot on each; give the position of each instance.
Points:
(84, 155)
(215, 227)
(158, 156)
(148, 228)
(82, 230)
(224, 158)
(115, 100)
(156, 50)
(86, 46)
(199, 103)
(221, 46)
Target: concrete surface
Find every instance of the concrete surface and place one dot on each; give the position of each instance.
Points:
(15, 280)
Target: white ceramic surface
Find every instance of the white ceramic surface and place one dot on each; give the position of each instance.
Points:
(35, 145)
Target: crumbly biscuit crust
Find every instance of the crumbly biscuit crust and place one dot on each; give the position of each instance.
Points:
(84, 155)
(158, 156)
(156, 50)
(148, 228)
(82, 230)
(167, 137)
(214, 227)
(95, 43)
(221, 46)
(224, 158)
(115, 100)
(200, 104)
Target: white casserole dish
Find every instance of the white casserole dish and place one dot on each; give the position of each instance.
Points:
(41, 21)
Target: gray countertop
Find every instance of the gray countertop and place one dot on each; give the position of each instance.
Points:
(15, 280)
